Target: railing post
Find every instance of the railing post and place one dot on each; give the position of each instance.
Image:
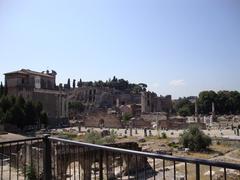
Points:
(197, 171)
(47, 168)
(101, 165)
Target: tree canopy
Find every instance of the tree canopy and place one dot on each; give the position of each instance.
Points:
(17, 111)
(226, 102)
(119, 84)
(184, 107)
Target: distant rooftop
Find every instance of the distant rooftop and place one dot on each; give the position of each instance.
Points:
(28, 71)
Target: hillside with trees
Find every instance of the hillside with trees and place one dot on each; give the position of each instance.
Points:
(119, 84)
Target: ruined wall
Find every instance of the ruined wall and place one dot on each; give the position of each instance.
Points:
(152, 103)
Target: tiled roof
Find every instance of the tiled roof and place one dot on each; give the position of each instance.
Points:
(27, 71)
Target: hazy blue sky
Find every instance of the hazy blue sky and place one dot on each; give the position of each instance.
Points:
(176, 47)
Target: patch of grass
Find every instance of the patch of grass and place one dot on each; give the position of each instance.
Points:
(173, 145)
(95, 137)
(67, 135)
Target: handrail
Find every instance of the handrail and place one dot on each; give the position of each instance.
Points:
(20, 140)
(153, 155)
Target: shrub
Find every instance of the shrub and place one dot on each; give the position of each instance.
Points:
(93, 137)
(111, 138)
(194, 139)
(173, 144)
(164, 135)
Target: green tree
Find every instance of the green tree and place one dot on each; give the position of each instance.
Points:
(2, 116)
(74, 84)
(17, 116)
(20, 101)
(79, 84)
(184, 107)
(69, 83)
(184, 111)
(1, 90)
(5, 103)
(76, 106)
(44, 118)
(8, 118)
(235, 98)
(126, 117)
(15, 110)
(31, 116)
(194, 139)
(223, 105)
(205, 100)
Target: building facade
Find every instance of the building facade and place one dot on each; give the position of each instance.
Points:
(39, 87)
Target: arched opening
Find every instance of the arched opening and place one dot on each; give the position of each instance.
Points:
(73, 170)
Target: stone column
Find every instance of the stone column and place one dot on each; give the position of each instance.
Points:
(150, 132)
(145, 132)
(213, 111)
(125, 131)
(130, 124)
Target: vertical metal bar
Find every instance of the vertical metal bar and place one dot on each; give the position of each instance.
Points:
(84, 160)
(10, 161)
(121, 164)
(113, 164)
(2, 153)
(65, 160)
(154, 167)
(88, 157)
(38, 158)
(186, 171)
(79, 169)
(70, 160)
(210, 172)
(197, 171)
(54, 158)
(31, 153)
(164, 169)
(95, 175)
(101, 165)
(74, 164)
(136, 166)
(145, 170)
(25, 159)
(225, 174)
(60, 155)
(128, 166)
(47, 159)
(17, 160)
(107, 165)
(174, 169)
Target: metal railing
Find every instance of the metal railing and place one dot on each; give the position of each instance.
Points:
(53, 158)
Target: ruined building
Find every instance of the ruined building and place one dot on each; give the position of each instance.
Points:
(39, 86)
(150, 102)
(102, 97)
